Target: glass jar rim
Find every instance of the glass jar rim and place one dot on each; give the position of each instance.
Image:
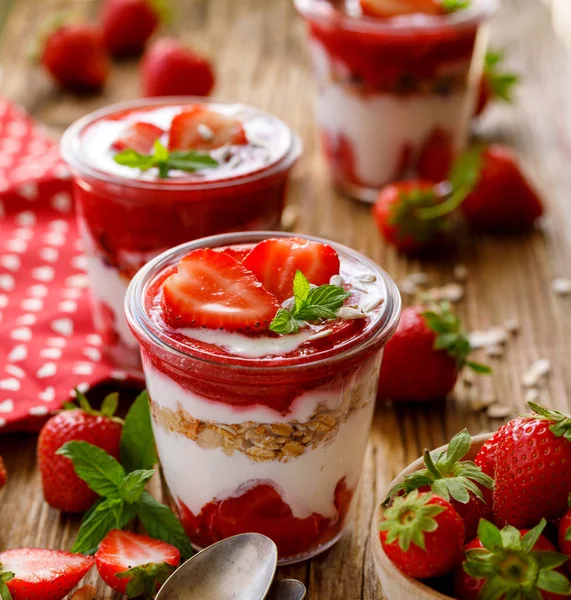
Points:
(378, 331)
(322, 11)
(71, 149)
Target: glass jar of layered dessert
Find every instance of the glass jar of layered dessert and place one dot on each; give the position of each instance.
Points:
(152, 174)
(396, 85)
(261, 354)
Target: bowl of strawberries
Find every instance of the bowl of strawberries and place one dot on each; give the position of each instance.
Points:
(483, 518)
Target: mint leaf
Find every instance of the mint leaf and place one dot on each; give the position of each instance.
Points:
(133, 485)
(310, 304)
(102, 473)
(164, 160)
(162, 524)
(137, 441)
(97, 524)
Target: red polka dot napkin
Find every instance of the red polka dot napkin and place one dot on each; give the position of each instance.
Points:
(47, 343)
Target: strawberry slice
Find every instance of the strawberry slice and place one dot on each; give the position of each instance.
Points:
(41, 574)
(212, 289)
(148, 561)
(275, 261)
(202, 129)
(395, 8)
(236, 252)
(139, 137)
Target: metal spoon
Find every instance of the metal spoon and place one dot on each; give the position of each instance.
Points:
(286, 589)
(241, 567)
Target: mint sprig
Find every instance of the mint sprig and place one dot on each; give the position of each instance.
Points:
(164, 161)
(122, 487)
(309, 304)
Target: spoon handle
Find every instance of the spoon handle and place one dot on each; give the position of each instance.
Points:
(286, 589)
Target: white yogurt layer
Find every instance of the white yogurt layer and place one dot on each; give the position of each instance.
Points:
(379, 126)
(196, 476)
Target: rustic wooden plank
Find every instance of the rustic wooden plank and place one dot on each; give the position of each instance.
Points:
(259, 48)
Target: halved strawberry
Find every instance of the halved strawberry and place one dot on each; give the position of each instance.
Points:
(211, 289)
(274, 262)
(148, 562)
(41, 574)
(395, 8)
(139, 137)
(201, 129)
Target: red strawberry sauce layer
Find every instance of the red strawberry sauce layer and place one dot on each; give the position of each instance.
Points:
(260, 509)
(209, 369)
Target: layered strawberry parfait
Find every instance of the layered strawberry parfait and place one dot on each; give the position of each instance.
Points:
(156, 173)
(396, 84)
(261, 354)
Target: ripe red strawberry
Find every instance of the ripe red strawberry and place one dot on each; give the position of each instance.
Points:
(501, 198)
(41, 574)
(128, 24)
(530, 481)
(510, 564)
(3, 474)
(422, 535)
(202, 129)
(436, 156)
(135, 564)
(63, 489)
(487, 455)
(422, 360)
(564, 537)
(75, 56)
(460, 482)
(414, 215)
(140, 137)
(274, 262)
(170, 69)
(494, 84)
(395, 8)
(211, 289)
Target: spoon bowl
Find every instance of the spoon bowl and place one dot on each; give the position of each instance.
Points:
(241, 567)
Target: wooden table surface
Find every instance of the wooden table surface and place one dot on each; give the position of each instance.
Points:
(260, 52)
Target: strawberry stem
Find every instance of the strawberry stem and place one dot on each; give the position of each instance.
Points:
(451, 203)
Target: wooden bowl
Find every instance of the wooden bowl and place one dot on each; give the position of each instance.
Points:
(397, 585)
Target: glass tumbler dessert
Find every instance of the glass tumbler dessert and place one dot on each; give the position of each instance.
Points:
(152, 174)
(262, 397)
(395, 94)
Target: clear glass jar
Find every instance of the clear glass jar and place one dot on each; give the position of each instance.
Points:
(273, 444)
(127, 216)
(396, 95)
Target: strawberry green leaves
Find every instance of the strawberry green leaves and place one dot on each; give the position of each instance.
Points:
(146, 579)
(501, 83)
(511, 565)
(408, 518)
(451, 337)
(108, 406)
(5, 576)
(561, 422)
(309, 304)
(454, 5)
(164, 161)
(447, 474)
(122, 487)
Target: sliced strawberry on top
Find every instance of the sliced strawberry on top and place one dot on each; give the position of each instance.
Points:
(201, 129)
(395, 8)
(274, 262)
(126, 560)
(212, 289)
(41, 574)
(238, 253)
(139, 137)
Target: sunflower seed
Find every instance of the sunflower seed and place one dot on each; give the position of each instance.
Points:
(320, 334)
(494, 336)
(453, 292)
(337, 280)
(357, 285)
(494, 351)
(348, 313)
(288, 304)
(561, 286)
(460, 272)
(538, 370)
(407, 287)
(367, 278)
(374, 303)
(532, 395)
(485, 402)
(204, 132)
(499, 411)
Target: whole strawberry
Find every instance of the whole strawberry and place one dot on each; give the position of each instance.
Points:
(422, 535)
(436, 156)
(531, 480)
(460, 482)
(500, 198)
(511, 565)
(488, 453)
(494, 83)
(564, 537)
(422, 360)
(63, 489)
(128, 24)
(413, 215)
(76, 57)
(170, 69)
